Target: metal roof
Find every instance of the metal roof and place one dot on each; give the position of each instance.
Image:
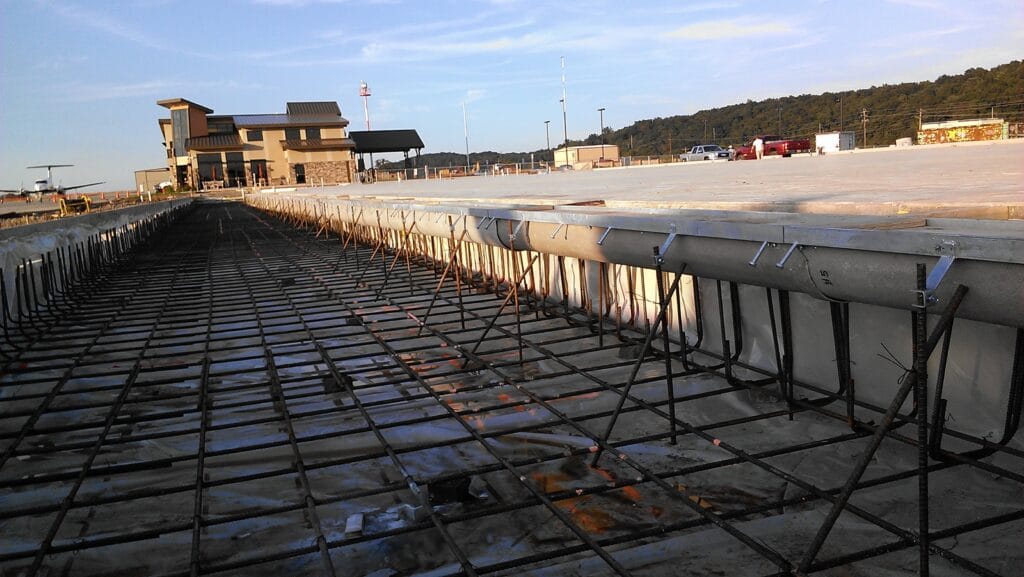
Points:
(261, 120)
(323, 107)
(215, 142)
(370, 141)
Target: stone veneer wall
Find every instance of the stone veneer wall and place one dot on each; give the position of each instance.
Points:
(331, 171)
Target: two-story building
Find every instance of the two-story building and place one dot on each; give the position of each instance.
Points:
(306, 144)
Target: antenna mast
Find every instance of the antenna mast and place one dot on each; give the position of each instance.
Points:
(364, 91)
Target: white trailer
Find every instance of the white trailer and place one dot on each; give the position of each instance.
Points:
(834, 141)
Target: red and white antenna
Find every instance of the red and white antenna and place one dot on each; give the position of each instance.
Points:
(364, 91)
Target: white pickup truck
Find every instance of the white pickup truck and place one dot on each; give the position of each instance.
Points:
(706, 152)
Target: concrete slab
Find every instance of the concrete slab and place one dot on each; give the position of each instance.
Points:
(973, 180)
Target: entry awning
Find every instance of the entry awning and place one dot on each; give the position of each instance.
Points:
(215, 142)
(372, 141)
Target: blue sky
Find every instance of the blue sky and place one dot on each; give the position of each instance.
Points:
(80, 78)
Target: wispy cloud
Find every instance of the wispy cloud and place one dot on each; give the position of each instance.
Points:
(301, 3)
(88, 18)
(920, 4)
(922, 36)
(95, 92)
(429, 40)
(732, 29)
(62, 62)
(103, 23)
(799, 45)
(692, 8)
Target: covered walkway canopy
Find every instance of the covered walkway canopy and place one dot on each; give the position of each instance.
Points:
(381, 141)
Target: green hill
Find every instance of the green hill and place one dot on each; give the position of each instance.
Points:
(893, 111)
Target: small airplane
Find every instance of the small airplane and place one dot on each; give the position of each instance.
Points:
(45, 185)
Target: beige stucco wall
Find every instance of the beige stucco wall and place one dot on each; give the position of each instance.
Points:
(585, 154)
(562, 158)
(280, 161)
(611, 152)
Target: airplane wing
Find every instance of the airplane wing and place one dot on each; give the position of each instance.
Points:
(12, 191)
(81, 185)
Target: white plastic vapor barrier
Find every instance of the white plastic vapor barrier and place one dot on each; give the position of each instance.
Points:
(33, 247)
(865, 263)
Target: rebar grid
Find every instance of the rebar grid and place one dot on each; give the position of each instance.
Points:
(256, 368)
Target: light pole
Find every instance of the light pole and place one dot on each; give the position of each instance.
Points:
(565, 133)
(465, 131)
(364, 92)
(547, 133)
(601, 112)
(565, 127)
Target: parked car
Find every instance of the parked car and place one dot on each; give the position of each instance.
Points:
(706, 152)
(775, 145)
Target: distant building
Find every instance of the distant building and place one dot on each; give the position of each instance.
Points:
(306, 144)
(149, 180)
(963, 131)
(581, 154)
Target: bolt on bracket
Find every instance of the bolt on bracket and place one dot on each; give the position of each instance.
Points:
(757, 255)
(788, 254)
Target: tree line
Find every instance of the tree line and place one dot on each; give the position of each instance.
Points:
(891, 111)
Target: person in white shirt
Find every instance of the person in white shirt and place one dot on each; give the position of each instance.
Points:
(758, 145)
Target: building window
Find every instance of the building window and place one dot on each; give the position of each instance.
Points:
(260, 174)
(221, 128)
(211, 167)
(179, 130)
(254, 135)
(312, 134)
(292, 134)
(300, 174)
(234, 168)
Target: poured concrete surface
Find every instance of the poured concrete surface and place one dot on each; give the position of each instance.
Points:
(983, 180)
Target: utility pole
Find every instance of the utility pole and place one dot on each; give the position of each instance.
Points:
(841, 113)
(601, 112)
(864, 121)
(670, 145)
(705, 130)
(920, 118)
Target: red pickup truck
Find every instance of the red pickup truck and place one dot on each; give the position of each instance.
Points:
(775, 145)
